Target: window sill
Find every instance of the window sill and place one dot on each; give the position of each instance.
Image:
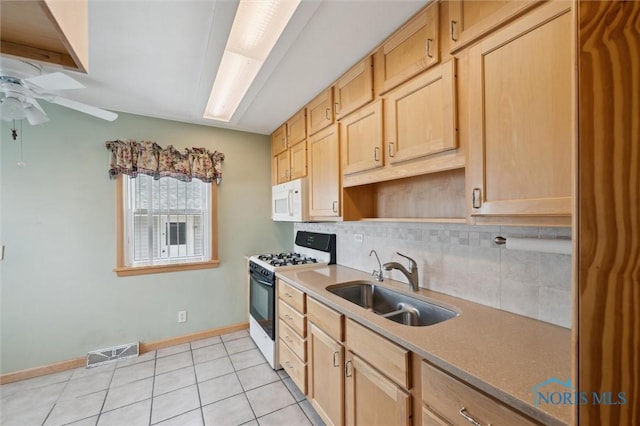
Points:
(127, 271)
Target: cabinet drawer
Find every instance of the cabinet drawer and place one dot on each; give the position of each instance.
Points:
(446, 396)
(381, 353)
(293, 296)
(295, 368)
(330, 321)
(292, 318)
(293, 340)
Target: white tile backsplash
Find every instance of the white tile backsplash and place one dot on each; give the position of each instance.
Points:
(463, 261)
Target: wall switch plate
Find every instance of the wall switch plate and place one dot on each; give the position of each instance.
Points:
(358, 238)
(182, 316)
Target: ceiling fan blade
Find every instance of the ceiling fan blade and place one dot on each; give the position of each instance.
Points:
(87, 109)
(54, 81)
(35, 113)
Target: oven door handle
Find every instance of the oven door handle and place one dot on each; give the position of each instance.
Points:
(259, 281)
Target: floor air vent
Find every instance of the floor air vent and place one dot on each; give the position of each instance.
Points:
(103, 356)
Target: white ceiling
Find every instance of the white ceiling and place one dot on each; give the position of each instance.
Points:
(158, 58)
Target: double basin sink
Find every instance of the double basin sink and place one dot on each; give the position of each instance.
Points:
(390, 304)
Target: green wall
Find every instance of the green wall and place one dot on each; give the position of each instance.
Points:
(59, 295)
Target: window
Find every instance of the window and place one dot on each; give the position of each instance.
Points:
(165, 225)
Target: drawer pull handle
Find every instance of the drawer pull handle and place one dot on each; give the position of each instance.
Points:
(288, 364)
(347, 370)
(336, 363)
(464, 413)
(327, 113)
(376, 154)
(286, 316)
(288, 295)
(429, 54)
(391, 144)
(287, 339)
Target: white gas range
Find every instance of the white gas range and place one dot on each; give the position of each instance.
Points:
(311, 250)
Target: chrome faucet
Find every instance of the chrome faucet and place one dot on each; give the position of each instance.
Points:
(411, 274)
(377, 273)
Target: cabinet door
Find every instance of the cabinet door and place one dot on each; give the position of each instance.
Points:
(279, 140)
(371, 398)
(354, 89)
(324, 173)
(410, 50)
(471, 19)
(420, 116)
(298, 160)
(325, 376)
(361, 139)
(320, 112)
(520, 121)
(282, 166)
(297, 128)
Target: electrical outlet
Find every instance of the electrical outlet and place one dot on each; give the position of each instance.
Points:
(358, 238)
(182, 316)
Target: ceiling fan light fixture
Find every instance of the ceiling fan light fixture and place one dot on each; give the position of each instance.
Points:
(256, 28)
(12, 109)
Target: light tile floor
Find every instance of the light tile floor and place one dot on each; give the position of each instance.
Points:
(223, 380)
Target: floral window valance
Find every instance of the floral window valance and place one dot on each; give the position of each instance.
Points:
(146, 157)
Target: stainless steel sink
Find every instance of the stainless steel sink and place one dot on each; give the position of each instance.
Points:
(393, 305)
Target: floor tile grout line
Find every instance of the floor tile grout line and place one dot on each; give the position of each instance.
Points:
(195, 376)
(153, 385)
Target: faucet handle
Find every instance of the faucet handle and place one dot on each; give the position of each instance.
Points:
(412, 263)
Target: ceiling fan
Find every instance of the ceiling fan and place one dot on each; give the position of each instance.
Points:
(23, 83)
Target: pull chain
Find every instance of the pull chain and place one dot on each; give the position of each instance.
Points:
(21, 163)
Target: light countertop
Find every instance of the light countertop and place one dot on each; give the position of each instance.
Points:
(503, 354)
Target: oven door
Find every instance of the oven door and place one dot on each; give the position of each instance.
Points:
(262, 303)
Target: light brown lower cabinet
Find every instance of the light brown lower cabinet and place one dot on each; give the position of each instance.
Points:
(326, 376)
(448, 401)
(371, 398)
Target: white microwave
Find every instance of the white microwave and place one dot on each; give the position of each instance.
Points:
(289, 202)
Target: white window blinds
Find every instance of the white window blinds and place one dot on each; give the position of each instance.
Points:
(166, 221)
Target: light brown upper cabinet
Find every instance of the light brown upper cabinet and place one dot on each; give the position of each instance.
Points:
(279, 140)
(297, 128)
(283, 170)
(289, 149)
(521, 117)
(471, 19)
(410, 50)
(320, 112)
(420, 116)
(361, 139)
(324, 174)
(354, 89)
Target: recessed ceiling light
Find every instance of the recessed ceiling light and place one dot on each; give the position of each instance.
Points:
(256, 28)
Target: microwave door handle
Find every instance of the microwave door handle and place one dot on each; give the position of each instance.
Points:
(290, 202)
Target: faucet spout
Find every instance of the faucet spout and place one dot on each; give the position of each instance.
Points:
(411, 274)
(377, 273)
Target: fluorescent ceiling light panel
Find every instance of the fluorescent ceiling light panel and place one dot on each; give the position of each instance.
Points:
(256, 28)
